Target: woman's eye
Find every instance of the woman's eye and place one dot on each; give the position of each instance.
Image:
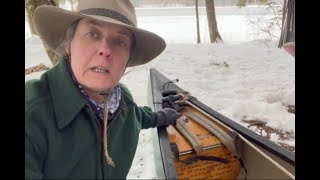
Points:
(121, 42)
(92, 34)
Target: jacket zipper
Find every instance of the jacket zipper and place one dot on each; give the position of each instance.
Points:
(121, 108)
(114, 117)
(101, 139)
(100, 136)
(102, 152)
(96, 121)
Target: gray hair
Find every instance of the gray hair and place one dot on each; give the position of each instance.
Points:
(63, 49)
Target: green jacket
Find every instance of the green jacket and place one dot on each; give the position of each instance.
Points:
(62, 135)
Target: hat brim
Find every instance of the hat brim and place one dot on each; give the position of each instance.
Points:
(52, 22)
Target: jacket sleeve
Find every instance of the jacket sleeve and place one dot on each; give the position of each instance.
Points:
(144, 114)
(147, 116)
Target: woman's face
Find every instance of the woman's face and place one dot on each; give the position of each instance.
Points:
(99, 54)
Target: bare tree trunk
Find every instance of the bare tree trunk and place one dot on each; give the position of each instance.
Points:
(212, 22)
(288, 24)
(197, 17)
(55, 3)
(284, 11)
(291, 21)
(71, 3)
(30, 6)
(31, 25)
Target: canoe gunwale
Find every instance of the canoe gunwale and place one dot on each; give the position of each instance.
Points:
(250, 135)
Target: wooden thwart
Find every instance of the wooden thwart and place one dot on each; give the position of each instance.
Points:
(185, 130)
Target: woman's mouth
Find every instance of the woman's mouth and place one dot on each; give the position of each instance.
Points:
(100, 69)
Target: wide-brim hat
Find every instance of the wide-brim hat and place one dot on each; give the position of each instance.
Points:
(51, 24)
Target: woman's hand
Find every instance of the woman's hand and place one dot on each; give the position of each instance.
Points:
(167, 116)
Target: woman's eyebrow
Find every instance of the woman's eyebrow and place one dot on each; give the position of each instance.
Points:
(95, 23)
(126, 33)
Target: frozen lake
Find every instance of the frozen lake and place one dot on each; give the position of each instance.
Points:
(178, 25)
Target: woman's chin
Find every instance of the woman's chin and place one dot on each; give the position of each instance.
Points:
(95, 88)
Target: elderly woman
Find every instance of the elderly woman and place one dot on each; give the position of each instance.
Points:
(80, 122)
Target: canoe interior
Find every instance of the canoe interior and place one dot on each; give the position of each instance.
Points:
(262, 158)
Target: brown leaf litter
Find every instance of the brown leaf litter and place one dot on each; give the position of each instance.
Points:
(262, 127)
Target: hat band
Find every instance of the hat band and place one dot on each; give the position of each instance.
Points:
(107, 13)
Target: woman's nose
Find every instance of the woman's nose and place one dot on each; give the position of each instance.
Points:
(104, 49)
